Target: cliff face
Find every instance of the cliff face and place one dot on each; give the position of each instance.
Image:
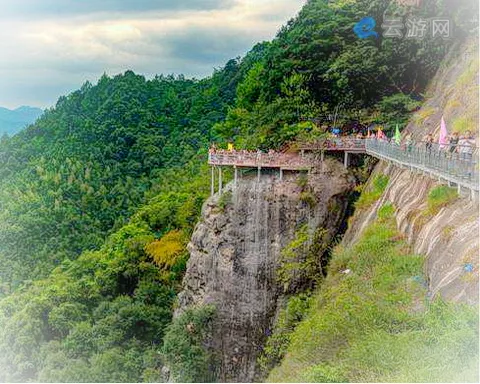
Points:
(235, 252)
(449, 239)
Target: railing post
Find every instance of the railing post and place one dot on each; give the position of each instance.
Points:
(236, 175)
(212, 182)
(220, 180)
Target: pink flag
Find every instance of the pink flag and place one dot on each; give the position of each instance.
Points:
(443, 134)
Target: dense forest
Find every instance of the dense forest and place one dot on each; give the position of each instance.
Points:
(98, 197)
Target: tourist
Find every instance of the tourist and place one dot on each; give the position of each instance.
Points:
(454, 140)
(466, 145)
(428, 142)
(409, 142)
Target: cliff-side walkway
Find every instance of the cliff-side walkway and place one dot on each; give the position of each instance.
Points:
(455, 165)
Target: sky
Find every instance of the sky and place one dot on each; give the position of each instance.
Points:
(49, 48)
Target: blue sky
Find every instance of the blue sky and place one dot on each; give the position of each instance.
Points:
(51, 47)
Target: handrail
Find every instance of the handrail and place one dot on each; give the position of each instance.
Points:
(459, 167)
(458, 164)
(258, 159)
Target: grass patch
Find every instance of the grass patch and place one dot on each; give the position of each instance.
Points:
(469, 76)
(276, 346)
(368, 197)
(365, 326)
(440, 197)
(309, 198)
(422, 115)
(464, 123)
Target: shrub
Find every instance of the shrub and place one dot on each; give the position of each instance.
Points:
(166, 251)
(224, 200)
(365, 325)
(185, 346)
(368, 197)
(288, 318)
(440, 197)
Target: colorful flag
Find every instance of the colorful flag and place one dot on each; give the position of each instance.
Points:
(398, 136)
(380, 134)
(443, 134)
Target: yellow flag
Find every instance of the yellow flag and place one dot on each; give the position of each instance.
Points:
(230, 146)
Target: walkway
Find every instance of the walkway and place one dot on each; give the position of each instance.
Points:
(460, 169)
(439, 163)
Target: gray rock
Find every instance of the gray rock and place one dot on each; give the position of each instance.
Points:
(234, 258)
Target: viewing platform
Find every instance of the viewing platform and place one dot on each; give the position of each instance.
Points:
(456, 165)
(245, 159)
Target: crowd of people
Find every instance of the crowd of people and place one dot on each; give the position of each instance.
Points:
(463, 145)
(243, 156)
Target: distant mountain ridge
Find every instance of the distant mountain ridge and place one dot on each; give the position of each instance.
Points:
(12, 121)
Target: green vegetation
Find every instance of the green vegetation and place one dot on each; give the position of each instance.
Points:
(371, 321)
(224, 200)
(464, 123)
(290, 316)
(438, 198)
(186, 346)
(99, 197)
(374, 192)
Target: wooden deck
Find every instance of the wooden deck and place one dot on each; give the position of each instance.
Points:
(244, 159)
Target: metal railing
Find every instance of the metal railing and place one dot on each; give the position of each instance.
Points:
(336, 144)
(456, 164)
(259, 159)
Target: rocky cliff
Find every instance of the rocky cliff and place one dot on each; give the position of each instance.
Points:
(235, 255)
(448, 239)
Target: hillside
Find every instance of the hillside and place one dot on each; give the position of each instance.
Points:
(12, 121)
(409, 304)
(102, 195)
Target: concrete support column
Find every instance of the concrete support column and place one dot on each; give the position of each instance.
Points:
(220, 180)
(281, 174)
(212, 182)
(259, 174)
(459, 189)
(345, 162)
(236, 175)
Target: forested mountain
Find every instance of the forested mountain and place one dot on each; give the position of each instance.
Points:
(99, 196)
(12, 121)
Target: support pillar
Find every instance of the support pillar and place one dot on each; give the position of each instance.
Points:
(212, 182)
(220, 180)
(281, 174)
(302, 152)
(345, 162)
(259, 173)
(459, 189)
(236, 175)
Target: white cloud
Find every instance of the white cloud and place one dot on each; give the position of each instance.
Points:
(43, 57)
